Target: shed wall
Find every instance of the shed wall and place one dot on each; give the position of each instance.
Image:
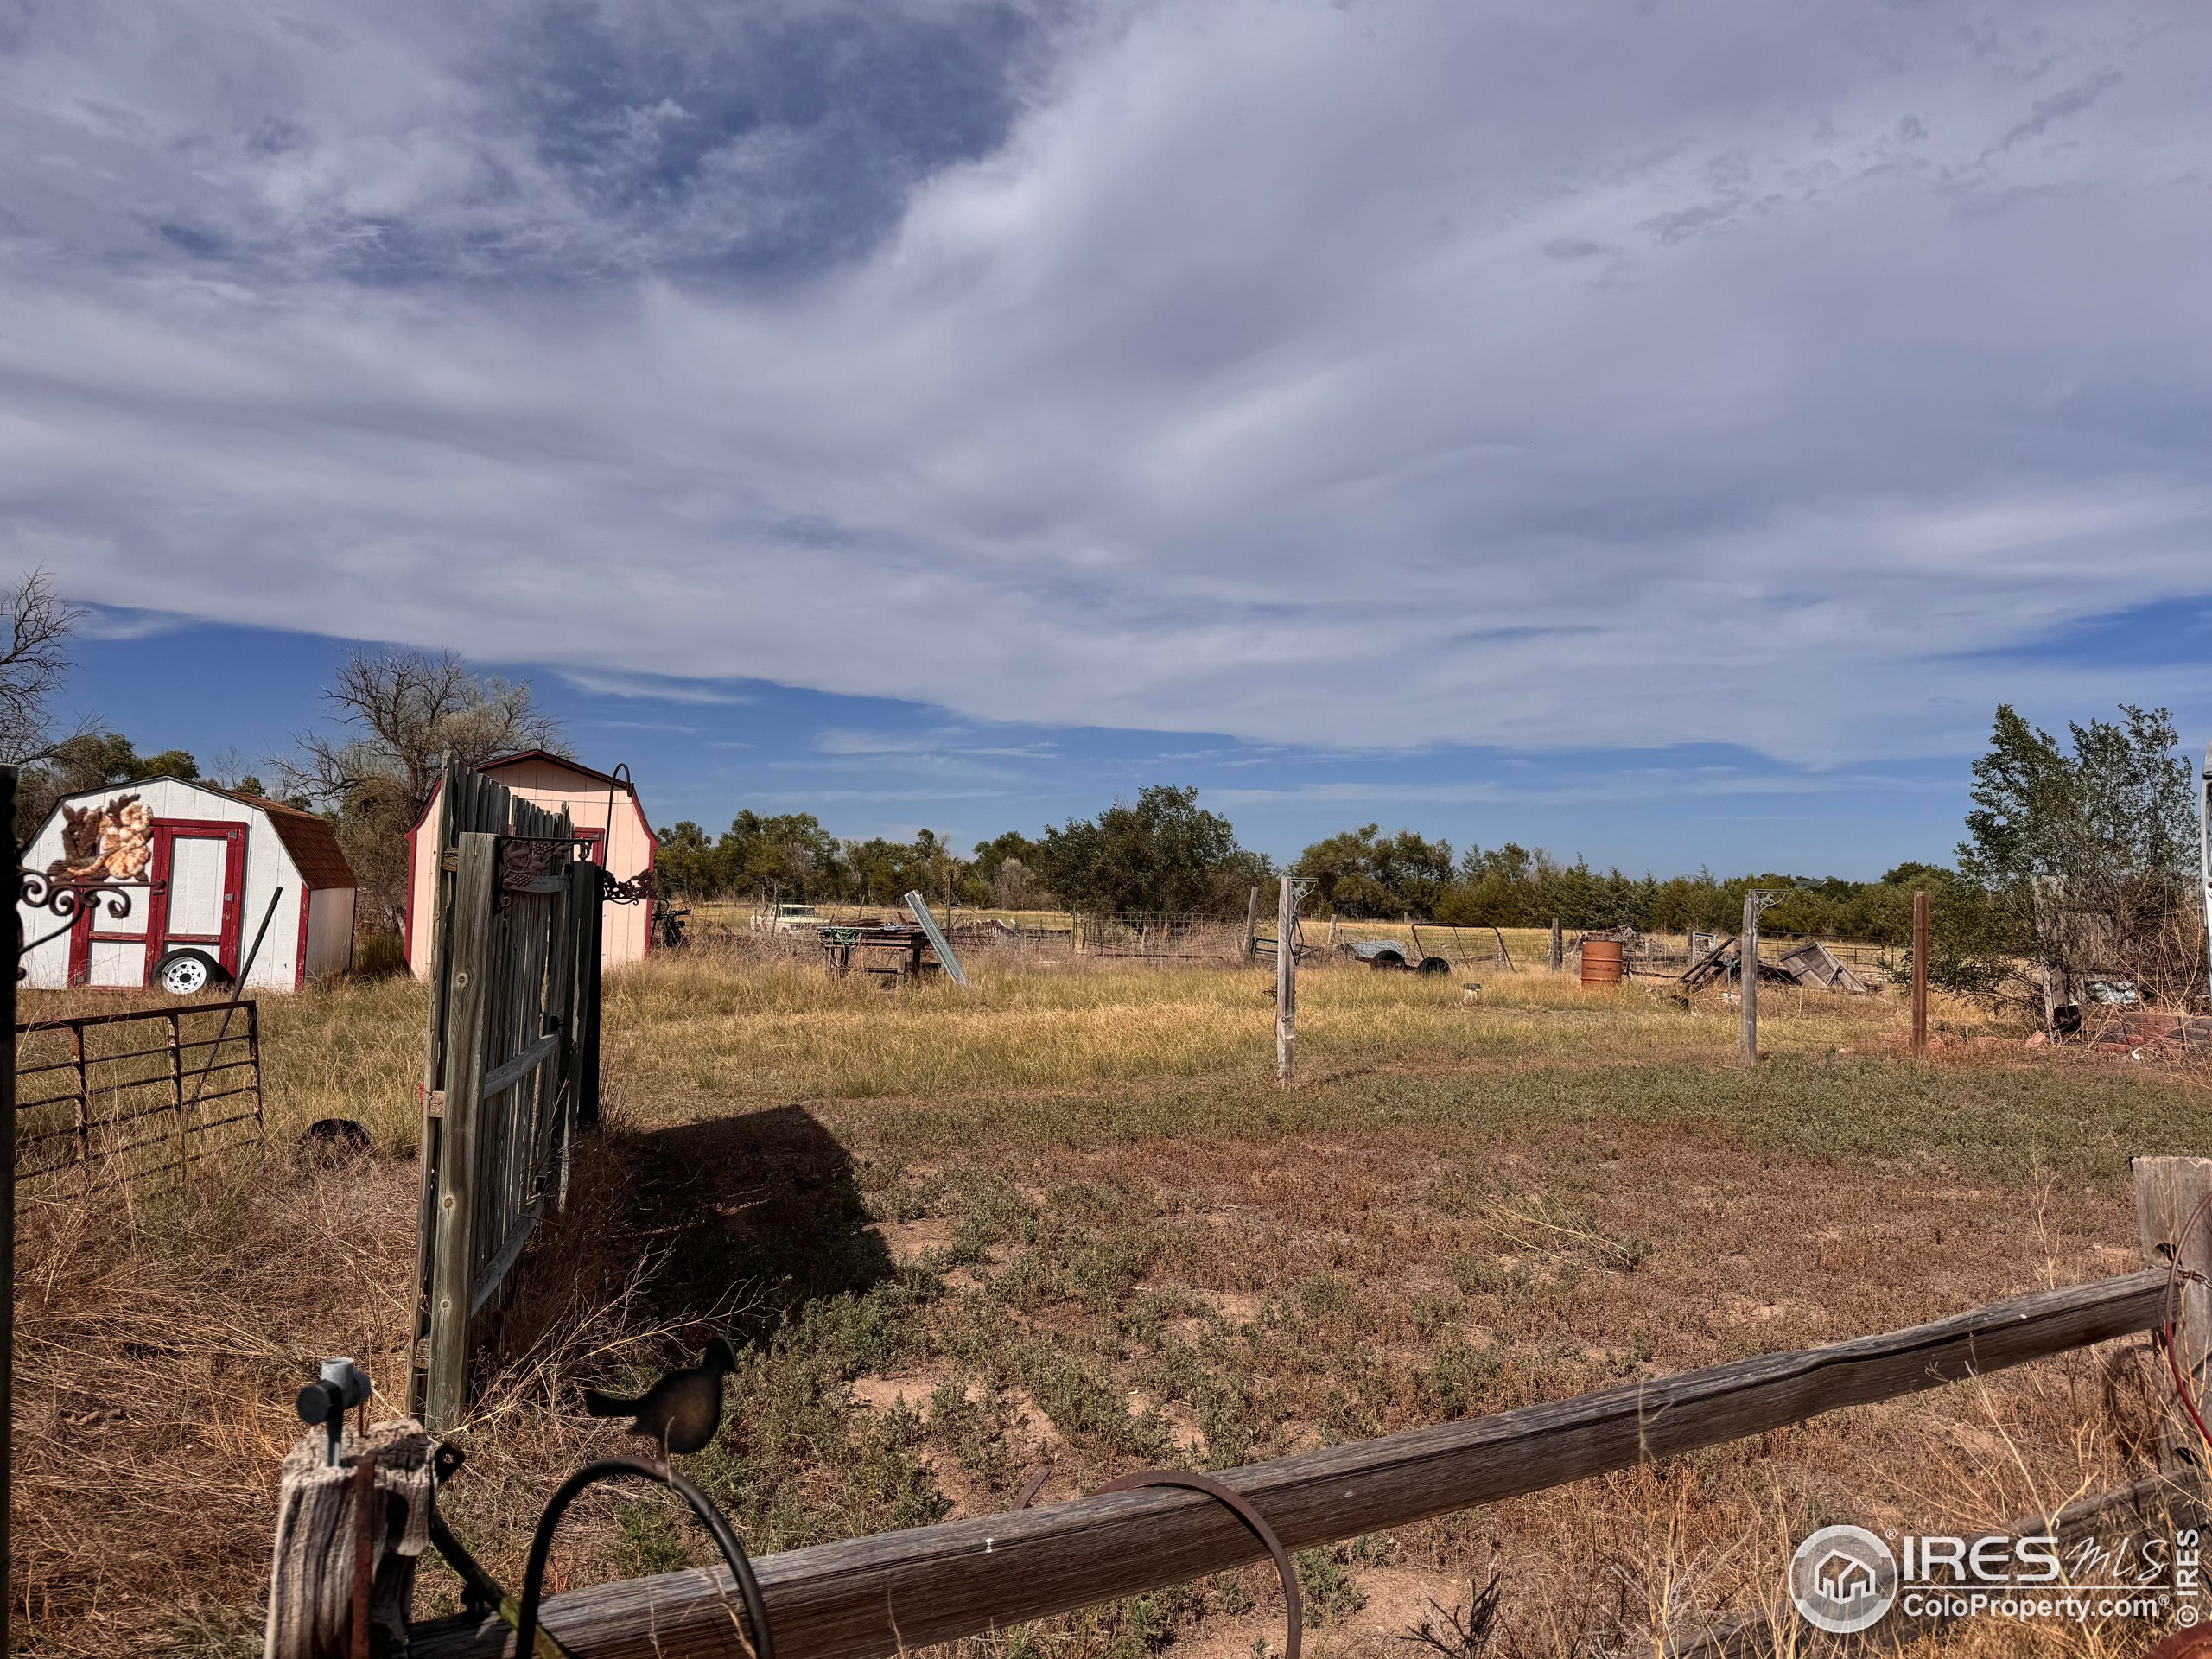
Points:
(629, 852)
(330, 931)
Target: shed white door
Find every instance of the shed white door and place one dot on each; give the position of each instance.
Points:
(202, 865)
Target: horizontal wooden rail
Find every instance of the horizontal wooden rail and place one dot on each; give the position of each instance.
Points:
(868, 1598)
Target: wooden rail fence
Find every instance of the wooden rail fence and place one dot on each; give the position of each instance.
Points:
(117, 1098)
(511, 1065)
(872, 1598)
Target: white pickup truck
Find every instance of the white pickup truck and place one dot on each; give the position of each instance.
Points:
(786, 919)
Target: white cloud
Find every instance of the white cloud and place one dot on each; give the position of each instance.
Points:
(612, 682)
(1360, 374)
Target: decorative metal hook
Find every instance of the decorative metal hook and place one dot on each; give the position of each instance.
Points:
(718, 1527)
(1242, 1507)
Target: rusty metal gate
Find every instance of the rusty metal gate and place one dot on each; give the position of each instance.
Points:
(510, 1063)
(112, 1098)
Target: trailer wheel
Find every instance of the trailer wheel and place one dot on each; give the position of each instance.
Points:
(1433, 965)
(187, 973)
(1386, 962)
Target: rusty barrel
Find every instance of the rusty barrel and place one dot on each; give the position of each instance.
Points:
(1601, 961)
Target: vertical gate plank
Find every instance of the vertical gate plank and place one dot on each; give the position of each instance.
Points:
(453, 1236)
(434, 1080)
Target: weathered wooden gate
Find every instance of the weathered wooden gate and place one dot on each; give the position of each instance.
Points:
(510, 1063)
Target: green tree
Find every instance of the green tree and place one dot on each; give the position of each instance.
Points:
(1162, 855)
(1363, 872)
(788, 857)
(90, 761)
(2104, 827)
(684, 863)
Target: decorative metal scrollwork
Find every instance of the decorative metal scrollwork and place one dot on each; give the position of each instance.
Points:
(68, 898)
(526, 861)
(637, 890)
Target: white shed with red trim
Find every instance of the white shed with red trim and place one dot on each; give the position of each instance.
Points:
(201, 864)
(605, 811)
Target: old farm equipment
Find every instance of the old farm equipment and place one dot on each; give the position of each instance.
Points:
(903, 951)
(1394, 955)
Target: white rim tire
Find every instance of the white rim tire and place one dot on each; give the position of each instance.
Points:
(187, 974)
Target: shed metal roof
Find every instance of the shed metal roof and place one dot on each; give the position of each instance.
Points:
(307, 837)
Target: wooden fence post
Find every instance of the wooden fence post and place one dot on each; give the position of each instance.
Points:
(454, 1250)
(1747, 972)
(2173, 1217)
(1286, 985)
(590, 960)
(1252, 924)
(176, 1086)
(1558, 946)
(356, 1526)
(1920, 973)
(583, 1003)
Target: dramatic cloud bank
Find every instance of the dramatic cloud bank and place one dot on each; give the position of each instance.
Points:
(1358, 373)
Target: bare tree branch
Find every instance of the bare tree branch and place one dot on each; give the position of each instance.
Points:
(35, 625)
(399, 712)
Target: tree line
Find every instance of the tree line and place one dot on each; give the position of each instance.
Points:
(1163, 854)
(2102, 823)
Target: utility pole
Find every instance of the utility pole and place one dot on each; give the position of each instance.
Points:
(1293, 888)
(1920, 973)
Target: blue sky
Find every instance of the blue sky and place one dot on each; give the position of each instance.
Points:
(1659, 434)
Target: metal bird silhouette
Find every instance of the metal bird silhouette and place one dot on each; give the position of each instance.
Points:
(682, 1410)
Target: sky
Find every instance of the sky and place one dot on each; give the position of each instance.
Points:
(1660, 433)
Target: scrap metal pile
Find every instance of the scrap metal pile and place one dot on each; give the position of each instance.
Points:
(1810, 963)
(907, 951)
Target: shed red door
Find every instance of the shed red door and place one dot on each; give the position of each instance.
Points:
(199, 873)
(201, 867)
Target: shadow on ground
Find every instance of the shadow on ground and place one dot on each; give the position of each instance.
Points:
(761, 1211)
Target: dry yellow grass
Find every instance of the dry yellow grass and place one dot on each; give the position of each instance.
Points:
(747, 1024)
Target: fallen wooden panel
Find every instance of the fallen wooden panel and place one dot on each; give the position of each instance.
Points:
(1812, 963)
(868, 1598)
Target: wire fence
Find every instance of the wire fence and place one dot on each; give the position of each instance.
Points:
(1203, 937)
